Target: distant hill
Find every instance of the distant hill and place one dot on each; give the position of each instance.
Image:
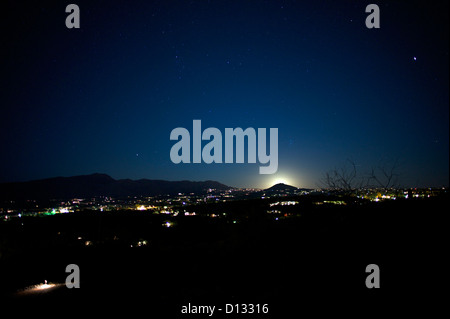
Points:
(85, 186)
(283, 188)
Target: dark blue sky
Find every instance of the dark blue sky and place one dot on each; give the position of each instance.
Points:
(105, 97)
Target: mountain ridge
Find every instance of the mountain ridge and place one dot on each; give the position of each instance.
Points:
(98, 184)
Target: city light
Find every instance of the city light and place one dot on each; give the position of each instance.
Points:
(167, 224)
(174, 205)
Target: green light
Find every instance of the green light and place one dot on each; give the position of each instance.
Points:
(53, 212)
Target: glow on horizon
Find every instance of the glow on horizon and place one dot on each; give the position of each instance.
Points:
(277, 179)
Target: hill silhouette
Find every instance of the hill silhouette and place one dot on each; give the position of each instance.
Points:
(100, 185)
(281, 187)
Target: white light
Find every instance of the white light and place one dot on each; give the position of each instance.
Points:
(279, 180)
(167, 224)
(44, 286)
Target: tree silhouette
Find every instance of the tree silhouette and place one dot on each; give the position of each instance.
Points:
(385, 176)
(347, 178)
(343, 178)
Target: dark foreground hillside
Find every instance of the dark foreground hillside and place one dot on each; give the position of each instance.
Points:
(312, 260)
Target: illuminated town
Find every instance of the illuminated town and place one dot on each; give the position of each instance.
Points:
(184, 204)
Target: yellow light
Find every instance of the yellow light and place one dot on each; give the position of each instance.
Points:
(39, 288)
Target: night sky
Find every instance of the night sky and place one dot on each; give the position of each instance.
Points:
(104, 98)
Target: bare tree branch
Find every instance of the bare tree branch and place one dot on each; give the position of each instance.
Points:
(386, 176)
(344, 178)
(347, 177)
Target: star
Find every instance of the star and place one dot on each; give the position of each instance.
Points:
(415, 58)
